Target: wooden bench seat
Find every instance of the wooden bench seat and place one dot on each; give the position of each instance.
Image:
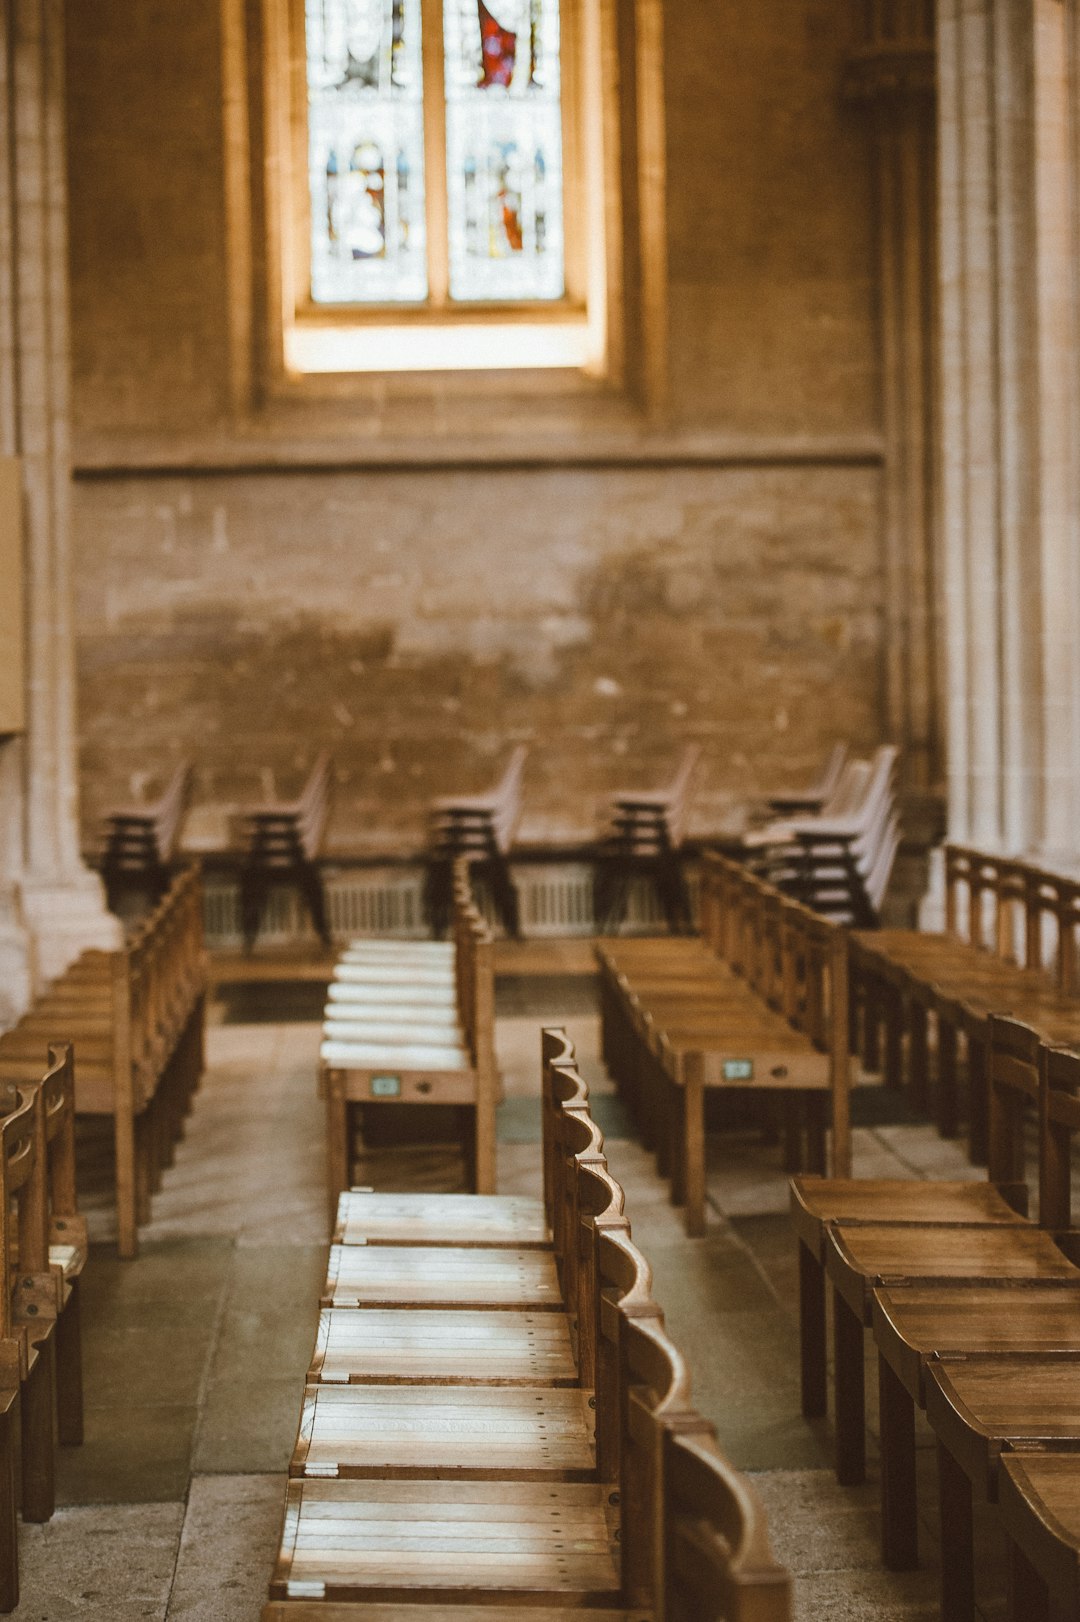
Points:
(514, 1461)
(364, 1217)
(477, 1431)
(430, 1275)
(758, 1005)
(373, 1052)
(415, 1345)
(135, 1017)
(387, 1541)
(394, 995)
(1039, 1507)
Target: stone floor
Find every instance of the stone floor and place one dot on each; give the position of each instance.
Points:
(196, 1352)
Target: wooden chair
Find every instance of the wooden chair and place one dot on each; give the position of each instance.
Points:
(809, 801)
(376, 1052)
(140, 841)
(480, 829)
(282, 841)
(136, 1016)
(645, 836)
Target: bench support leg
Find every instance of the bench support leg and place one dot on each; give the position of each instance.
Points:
(9, 1526)
(337, 1137)
(919, 1058)
(69, 1381)
(694, 1144)
(899, 1508)
(957, 1540)
(849, 1394)
(812, 1334)
(945, 1101)
(38, 1439)
(978, 1102)
(894, 1038)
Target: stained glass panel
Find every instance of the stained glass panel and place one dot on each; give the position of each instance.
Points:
(366, 151)
(504, 149)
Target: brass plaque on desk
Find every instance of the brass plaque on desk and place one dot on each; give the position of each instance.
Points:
(12, 624)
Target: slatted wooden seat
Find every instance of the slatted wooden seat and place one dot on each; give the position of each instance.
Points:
(493, 1494)
(374, 1050)
(759, 1005)
(430, 1275)
(364, 1217)
(136, 1019)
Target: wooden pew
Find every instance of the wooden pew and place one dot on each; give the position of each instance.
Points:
(140, 841)
(282, 841)
(1009, 945)
(136, 1018)
(758, 1004)
(646, 831)
(527, 1526)
(377, 1048)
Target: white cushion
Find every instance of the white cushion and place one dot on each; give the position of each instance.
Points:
(394, 1057)
(392, 996)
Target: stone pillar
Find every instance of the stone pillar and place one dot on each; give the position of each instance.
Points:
(51, 906)
(1007, 197)
(890, 72)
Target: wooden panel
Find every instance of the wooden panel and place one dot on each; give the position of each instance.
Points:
(434, 1430)
(353, 1540)
(12, 628)
(498, 1348)
(426, 1275)
(440, 1219)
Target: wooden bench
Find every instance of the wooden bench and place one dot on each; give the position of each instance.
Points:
(544, 1480)
(436, 1048)
(646, 829)
(140, 841)
(758, 1005)
(42, 1251)
(479, 829)
(1009, 946)
(282, 840)
(135, 1017)
(980, 1324)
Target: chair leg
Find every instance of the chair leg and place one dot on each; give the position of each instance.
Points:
(252, 896)
(69, 1378)
(899, 1507)
(39, 1439)
(310, 883)
(812, 1347)
(9, 1526)
(957, 1540)
(849, 1394)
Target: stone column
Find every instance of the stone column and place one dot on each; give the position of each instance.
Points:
(890, 72)
(1007, 197)
(51, 906)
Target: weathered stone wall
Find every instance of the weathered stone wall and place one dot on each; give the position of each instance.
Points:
(418, 621)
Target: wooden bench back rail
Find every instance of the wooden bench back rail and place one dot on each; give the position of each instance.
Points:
(58, 1124)
(1059, 1121)
(795, 960)
(718, 1566)
(160, 976)
(559, 1083)
(22, 1202)
(1016, 910)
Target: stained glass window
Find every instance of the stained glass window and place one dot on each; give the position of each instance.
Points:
(502, 185)
(504, 149)
(366, 151)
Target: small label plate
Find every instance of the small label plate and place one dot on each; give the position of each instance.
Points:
(738, 1069)
(386, 1086)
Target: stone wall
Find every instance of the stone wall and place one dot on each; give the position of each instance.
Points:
(728, 588)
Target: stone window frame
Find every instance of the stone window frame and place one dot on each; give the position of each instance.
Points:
(622, 278)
